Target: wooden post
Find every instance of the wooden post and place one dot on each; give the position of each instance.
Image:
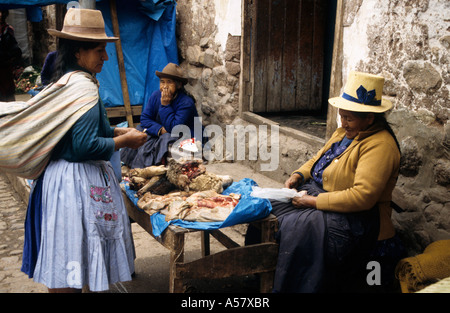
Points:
(120, 61)
(336, 68)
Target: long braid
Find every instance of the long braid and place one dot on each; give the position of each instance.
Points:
(380, 118)
(388, 127)
(66, 59)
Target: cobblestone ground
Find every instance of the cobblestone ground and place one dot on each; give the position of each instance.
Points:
(12, 217)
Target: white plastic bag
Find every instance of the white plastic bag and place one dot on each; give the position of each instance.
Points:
(280, 194)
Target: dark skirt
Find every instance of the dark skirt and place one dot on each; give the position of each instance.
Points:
(321, 251)
(33, 219)
(152, 152)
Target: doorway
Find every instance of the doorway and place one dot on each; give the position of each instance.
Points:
(288, 47)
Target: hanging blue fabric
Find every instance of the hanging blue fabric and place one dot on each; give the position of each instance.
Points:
(148, 44)
(155, 8)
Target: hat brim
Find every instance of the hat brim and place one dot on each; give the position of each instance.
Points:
(181, 79)
(344, 104)
(77, 37)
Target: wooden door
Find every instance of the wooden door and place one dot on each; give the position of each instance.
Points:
(288, 55)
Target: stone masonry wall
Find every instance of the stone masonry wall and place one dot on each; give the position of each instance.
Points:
(213, 69)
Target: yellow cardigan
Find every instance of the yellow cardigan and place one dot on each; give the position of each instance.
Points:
(365, 174)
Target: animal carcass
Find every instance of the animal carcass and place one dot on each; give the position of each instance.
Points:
(148, 172)
(203, 206)
(153, 203)
(182, 173)
(192, 175)
(149, 179)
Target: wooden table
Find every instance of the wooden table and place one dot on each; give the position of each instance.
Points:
(236, 260)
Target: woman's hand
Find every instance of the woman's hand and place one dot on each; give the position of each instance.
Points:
(132, 138)
(166, 96)
(162, 131)
(304, 202)
(294, 181)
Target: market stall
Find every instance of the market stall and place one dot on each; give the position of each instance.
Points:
(168, 212)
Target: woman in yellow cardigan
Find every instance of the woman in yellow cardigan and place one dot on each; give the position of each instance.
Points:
(326, 236)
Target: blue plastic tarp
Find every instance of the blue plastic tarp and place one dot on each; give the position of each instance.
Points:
(147, 35)
(147, 45)
(33, 8)
(247, 210)
(14, 4)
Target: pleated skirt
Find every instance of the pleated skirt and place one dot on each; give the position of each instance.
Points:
(85, 231)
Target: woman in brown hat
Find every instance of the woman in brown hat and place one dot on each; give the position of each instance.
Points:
(166, 108)
(327, 236)
(77, 231)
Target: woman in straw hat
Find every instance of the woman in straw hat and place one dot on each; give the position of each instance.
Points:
(327, 235)
(77, 230)
(166, 108)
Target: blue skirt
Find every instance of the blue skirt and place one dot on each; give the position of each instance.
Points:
(318, 250)
(32, 228)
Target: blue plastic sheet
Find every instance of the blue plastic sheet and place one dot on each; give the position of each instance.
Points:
(155, 8)
(15, 4)
(147, 46)
(247, 210)
(147, 36)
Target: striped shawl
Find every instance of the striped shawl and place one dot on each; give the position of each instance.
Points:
(30, 130)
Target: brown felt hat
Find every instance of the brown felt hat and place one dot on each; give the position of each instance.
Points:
(173, 71)
(83, 25)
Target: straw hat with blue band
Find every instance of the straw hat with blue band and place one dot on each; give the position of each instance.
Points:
(362, 93)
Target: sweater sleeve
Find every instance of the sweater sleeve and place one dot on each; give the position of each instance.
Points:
(87, 143)
(376, 166)
(149, 114)
(181, 112)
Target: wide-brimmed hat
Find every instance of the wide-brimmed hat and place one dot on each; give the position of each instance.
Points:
(173, 71)
(83, 25)
(362, 93)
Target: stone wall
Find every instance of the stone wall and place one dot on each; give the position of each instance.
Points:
(408, 42)
(212, 67)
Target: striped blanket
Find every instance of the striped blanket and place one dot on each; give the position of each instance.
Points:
(30, 130)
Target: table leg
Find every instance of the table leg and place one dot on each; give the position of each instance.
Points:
(268, 230)
(176, 256)
(205, 243)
